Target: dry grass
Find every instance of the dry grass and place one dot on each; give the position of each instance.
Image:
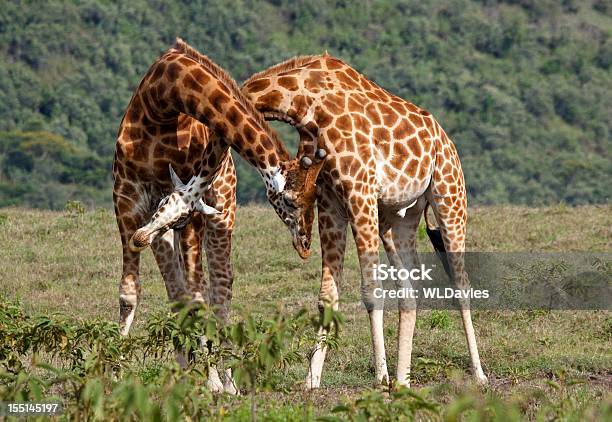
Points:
(71, 263)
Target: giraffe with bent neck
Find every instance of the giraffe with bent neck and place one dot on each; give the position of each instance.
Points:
(187, 112)
(185, 81)
(387, 161)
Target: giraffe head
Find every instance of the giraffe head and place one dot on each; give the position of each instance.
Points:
(294, 200)
(173, 212)
(291, 190)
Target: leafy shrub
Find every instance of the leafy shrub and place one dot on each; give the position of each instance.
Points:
(439, 319)
(99, 375)
(75, 208)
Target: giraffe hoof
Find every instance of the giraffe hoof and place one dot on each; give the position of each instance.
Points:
(214, 387)
(397, 385)
(230, 388)
(383, 381)
(481, 380)
(400, 386)
(312, 383)
(214, 383)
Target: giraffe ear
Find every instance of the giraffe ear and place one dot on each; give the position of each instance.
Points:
(205, 209)
(176, 181)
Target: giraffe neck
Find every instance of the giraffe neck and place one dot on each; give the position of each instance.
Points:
(356, 118)
(292, 92)
(184, 81)
(289, 106)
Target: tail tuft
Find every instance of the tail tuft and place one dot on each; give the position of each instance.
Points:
(435, 236)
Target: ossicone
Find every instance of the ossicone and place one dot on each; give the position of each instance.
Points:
(320, 154)
(176, 181)
(306, 162)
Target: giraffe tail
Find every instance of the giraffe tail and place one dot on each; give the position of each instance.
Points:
(435, 236)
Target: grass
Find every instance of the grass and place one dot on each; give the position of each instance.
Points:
(70, 262)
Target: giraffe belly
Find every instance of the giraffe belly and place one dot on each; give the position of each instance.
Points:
(399, 199)
(397, 190)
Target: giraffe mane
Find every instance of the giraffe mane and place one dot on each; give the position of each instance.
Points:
(289, 64)
(219, 73)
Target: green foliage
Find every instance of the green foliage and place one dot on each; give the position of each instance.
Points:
(466, 404)
(439, 319)
(99, 375)
(96, 368)
(75, 208)
(401, 405)
(522, 87)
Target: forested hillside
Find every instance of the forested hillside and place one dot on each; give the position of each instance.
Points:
(523, 87)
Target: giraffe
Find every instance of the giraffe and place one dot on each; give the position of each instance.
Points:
(388, 161)
(184, 80)
(140, 172)
(187, 112)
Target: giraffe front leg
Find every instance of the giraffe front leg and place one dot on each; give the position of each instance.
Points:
(218, 240)
(129, 286)
(167, 251)
(365, 232)
(332, 232)
(191, 249)
(129, 290)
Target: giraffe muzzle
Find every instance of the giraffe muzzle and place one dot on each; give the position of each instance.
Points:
(140, 240)
(302, 246)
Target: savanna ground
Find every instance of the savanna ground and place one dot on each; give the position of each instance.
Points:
(541, 364)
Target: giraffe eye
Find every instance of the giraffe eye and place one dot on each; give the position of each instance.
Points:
(182, 222)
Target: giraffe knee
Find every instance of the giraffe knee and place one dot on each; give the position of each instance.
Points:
(328, 295)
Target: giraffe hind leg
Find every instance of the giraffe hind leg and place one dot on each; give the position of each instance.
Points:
(451, 212)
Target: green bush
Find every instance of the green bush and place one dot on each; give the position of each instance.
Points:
(99, 375)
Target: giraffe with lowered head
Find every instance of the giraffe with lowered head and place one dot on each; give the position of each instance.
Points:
(387, 161)
(186, 113)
